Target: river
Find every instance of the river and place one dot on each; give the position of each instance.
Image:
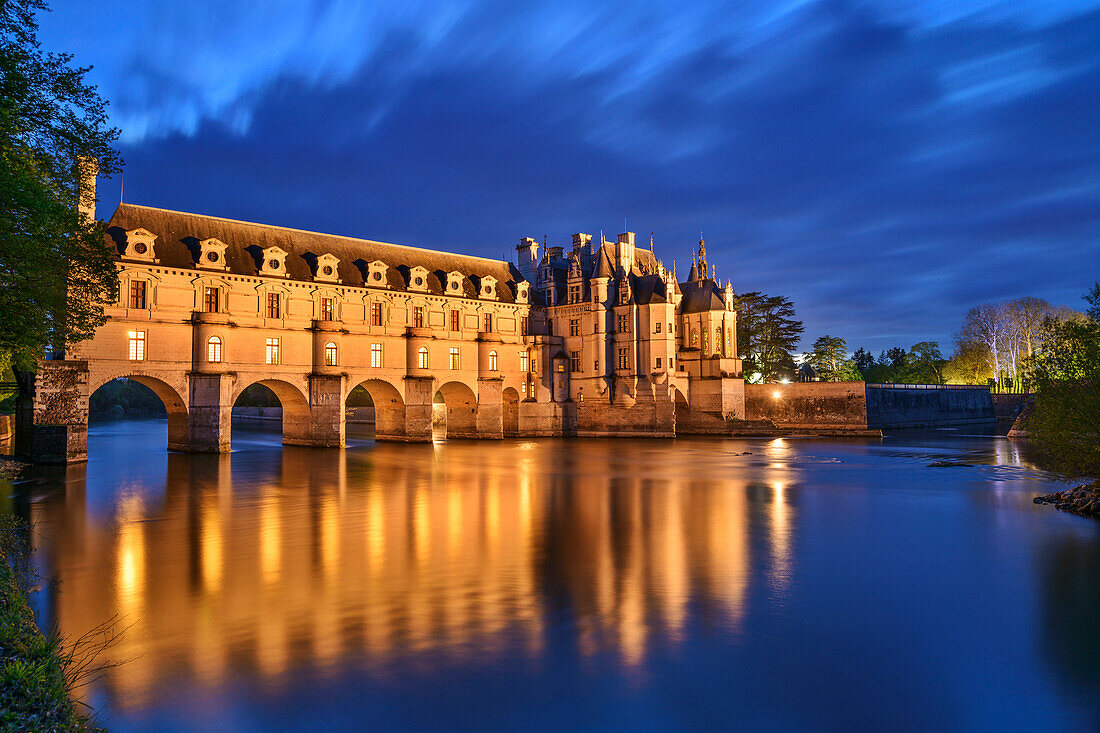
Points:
(557, 584)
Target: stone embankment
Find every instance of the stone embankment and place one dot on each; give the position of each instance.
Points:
(1083, 500)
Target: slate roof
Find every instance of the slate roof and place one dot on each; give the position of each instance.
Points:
(700, 296)
(179, 233)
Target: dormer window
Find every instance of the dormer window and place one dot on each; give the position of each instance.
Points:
(140, 245)
(454, 283)
(376, 274)
(211, 254)
(274, 262)
(523, 292)
(488, 288)
(418, 278)
(327, 268)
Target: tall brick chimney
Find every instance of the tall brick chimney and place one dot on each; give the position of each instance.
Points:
(89, 170)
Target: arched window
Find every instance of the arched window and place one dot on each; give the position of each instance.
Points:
(330, 354)
(717, 339)
(214, 349)
(492, 361)
(422, 357)
(694, 337)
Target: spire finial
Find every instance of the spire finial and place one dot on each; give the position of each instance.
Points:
(651, 241)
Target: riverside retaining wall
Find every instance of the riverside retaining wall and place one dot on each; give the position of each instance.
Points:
(808, 405)
(928, 406)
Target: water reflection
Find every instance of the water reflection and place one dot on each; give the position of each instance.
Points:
(266, 562)
(574, 581)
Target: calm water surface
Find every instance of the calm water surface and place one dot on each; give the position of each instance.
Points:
(574, 585)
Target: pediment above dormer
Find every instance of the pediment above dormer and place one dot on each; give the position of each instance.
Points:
(454, 283)
(418, 278)
(328, 268)
(140, 245)
(487, 288)
(377, 274)
(274, 261)
(212, 254)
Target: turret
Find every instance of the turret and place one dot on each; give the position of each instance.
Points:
(527, 257)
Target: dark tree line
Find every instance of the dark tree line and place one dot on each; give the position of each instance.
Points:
(767, 336)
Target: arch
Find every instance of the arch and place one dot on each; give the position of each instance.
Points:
(384, 417)
(295, 415)
(511, 412)
(175, 406)
(454, 411)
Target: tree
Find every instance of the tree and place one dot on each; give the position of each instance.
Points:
(56, 273)
(923, 364)
(864, 361)
(767, 335)
(968, 365)
(1066, 376)
(986, 325)
(829, 359)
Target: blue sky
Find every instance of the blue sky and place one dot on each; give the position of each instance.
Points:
(885, 164)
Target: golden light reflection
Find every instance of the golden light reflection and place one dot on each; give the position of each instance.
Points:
(452, 549)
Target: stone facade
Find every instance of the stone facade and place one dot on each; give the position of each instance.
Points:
(599, 340)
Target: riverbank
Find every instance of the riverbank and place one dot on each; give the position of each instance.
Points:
(34, 694)
(1083, 500)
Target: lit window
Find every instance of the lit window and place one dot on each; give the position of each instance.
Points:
(326, 309)
(376, 314)
(596, 366)
(137, 345)
(524, 385)
(137, 294)
(330, 354)
(523, 361)
(210, 300)
(523, 326)
(454, 357)
(418, 317)
(273, 351)
(214, 350)
(694, 337)
(422, 357)
(492, 361)
(376, 356)
(273, 309)
(658, 362)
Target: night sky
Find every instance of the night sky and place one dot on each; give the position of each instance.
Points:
(886, 165)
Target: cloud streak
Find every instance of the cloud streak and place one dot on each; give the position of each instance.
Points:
(886, 169)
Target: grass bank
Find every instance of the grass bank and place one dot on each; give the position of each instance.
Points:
(34, 693)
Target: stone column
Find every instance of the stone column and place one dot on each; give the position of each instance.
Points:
(326, 410)
(58, 424)
(210, 409)
(490, 408)
(419, 392)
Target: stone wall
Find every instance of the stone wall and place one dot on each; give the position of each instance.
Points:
(809, 405)
(928, 406)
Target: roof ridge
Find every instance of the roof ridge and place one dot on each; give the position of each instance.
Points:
(306, 231)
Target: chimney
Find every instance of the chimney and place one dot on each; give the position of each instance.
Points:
(88, 169)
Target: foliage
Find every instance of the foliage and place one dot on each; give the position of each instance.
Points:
(968, 365)
(1065, 425)
(55, 271)
(1005, 335)
(922, 365)
(767, 335)
(34, 688)
(830, 360)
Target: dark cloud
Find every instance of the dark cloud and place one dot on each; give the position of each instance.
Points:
(885, 175)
